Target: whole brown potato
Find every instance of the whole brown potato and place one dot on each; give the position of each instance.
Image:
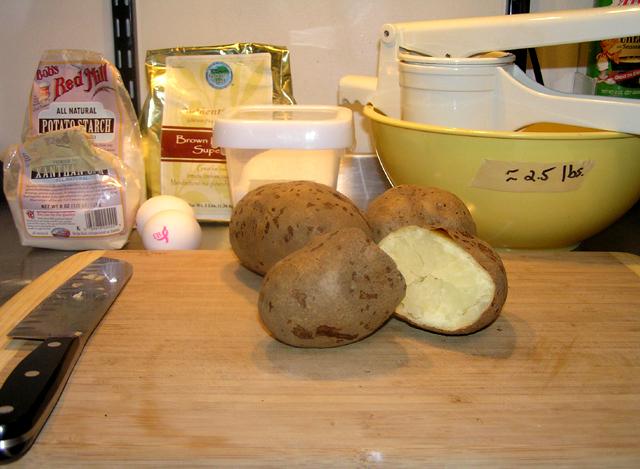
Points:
(338, 289)
(456, 283)
(277, 219)
(428, 207)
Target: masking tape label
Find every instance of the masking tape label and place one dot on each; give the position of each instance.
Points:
(517, 176)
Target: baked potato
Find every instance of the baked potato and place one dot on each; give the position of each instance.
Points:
(455, 282)
(338, 289)
(428, 207)
(276, 219)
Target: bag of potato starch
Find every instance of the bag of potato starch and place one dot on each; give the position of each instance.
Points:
(81, 88)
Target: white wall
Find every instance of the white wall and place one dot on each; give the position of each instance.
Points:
(327, 38)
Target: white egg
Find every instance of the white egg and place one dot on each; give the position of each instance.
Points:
(171, 230)
(159, 204)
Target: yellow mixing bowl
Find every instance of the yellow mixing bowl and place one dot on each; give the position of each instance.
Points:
(548, 187)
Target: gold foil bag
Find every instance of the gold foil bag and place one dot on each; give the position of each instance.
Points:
(188, 88)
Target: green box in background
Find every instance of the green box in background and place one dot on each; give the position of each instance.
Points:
(614, 64)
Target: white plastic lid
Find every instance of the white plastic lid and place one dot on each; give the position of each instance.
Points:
(308, 127)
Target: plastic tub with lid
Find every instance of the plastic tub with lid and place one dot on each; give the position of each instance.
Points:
(275, 143)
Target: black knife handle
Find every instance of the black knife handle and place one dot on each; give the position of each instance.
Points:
(31, 391)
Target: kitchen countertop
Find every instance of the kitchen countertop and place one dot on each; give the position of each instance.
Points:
(361, 178)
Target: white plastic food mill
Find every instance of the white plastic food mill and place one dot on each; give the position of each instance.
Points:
(451, 72)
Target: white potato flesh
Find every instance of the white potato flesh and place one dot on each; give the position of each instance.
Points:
(447, 289)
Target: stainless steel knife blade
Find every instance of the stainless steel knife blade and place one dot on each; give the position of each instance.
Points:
(63, 322)
(77, 306)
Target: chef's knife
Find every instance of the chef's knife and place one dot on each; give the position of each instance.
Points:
(64, 322)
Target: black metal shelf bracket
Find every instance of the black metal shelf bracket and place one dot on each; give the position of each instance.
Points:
(125, 45)
(514, 7)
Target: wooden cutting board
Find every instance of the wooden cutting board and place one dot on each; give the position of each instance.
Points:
(181, 371)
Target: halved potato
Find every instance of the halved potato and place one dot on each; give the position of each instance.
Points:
(410, 204)
(456, 283)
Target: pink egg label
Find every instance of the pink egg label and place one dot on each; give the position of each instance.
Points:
(162, 235)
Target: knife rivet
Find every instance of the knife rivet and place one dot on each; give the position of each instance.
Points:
(32, 373)
(54, 344)
(6, 409)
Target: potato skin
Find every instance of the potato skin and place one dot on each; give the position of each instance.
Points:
(427, 207)
(276, 219)
(338, 289)
(490, 261)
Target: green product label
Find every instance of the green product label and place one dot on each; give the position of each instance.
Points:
(614, 64)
